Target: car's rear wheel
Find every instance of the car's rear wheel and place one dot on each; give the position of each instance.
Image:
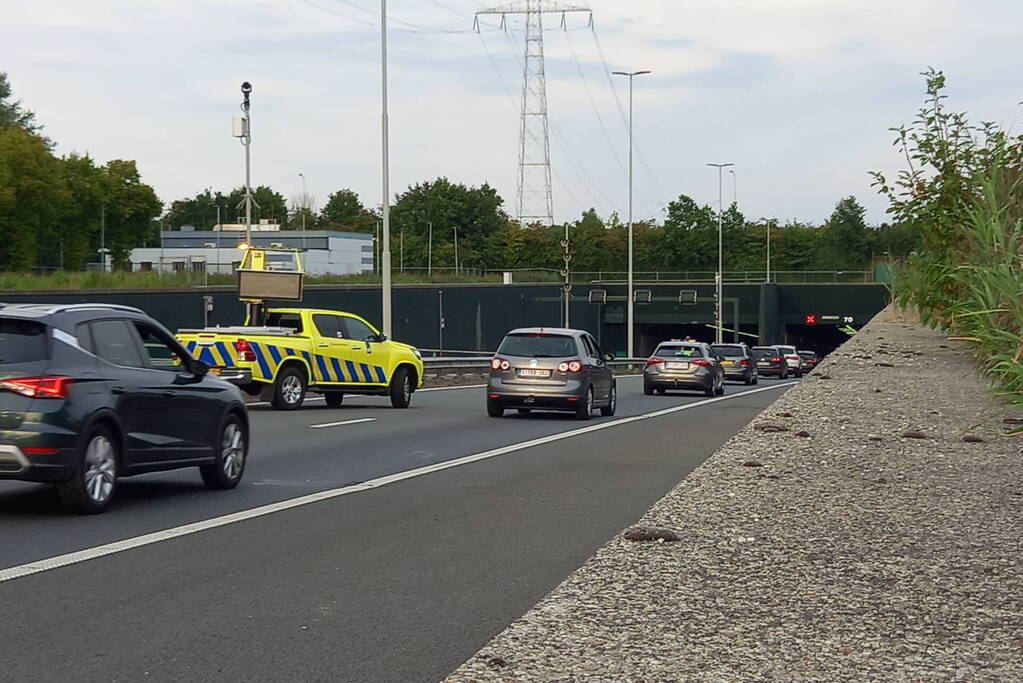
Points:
(712, 390)
(721, 388)
(334, 398)
(585, 410)
(92, 485)
(289, 389)
(648, 390)
(662, 392)
(401, 388)
(232, 451)
(493, 409)
(612, 402)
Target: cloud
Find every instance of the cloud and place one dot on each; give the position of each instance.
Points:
(798, 93)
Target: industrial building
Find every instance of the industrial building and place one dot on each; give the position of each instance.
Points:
(325, 252)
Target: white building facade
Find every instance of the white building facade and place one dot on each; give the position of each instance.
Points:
(325, 252)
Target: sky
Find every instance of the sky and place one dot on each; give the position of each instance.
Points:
(798, 94)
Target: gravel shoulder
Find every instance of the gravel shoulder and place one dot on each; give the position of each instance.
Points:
(848, 533)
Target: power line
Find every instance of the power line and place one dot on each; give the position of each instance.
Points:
(593, 104)
(625, 119)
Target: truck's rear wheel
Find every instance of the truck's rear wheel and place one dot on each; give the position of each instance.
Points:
(334, 398)
(401, 388)
(289, 389)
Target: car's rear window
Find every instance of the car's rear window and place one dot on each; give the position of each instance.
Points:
(807, 354)
(678, 351)
(22, 341)
(538, 345)
(278, 319)
(763, 353)
(729, 351)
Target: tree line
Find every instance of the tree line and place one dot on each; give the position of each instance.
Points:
(56, 212)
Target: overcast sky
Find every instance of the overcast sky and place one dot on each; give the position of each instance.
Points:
(799, 94)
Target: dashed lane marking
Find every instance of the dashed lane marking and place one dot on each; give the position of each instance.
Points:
(205, 525)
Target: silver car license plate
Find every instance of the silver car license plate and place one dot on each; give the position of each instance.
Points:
(676, 366)
(531, 372)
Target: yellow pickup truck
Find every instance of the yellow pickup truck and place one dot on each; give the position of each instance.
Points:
(301, 349)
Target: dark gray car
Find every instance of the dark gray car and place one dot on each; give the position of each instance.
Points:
(684, 365)
(771, 362)
(539, 368)
(738, 363)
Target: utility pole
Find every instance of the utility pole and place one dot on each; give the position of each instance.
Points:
(385, 144)
(721, 250)
(735, 188)
(456, 248)
(246, 139)
(631, 306)
(429, 258)
(769, 223)
(103, 237)
(534, 197)
(401, 250)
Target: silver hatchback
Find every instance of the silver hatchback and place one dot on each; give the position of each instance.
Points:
(542, 368)
(684, 365)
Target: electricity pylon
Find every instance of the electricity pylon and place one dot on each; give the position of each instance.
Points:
(535, 203)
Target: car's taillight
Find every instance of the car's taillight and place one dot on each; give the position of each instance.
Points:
(570, 366)
(744, 362)
(654, 360)
(776, 359)
(37, 387)
(245, 352)
(700, 361)
(499, 364)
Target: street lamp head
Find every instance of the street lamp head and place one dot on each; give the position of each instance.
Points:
(246, 88)
(721, 165)
(630, 74)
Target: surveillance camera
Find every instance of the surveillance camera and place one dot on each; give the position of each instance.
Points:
(246, 87)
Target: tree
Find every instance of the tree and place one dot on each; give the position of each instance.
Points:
(31, 193)
(845, 239)
(11, 111)
(473, 212)
(689, 240)
(129, 207)
(345, 211)
(78, 226)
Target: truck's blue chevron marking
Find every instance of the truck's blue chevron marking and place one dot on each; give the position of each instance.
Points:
(337, 370)
(190, 347)
(323, 369)
(274, 353)
(261, 359)
(365, 372)
(380, 374)
(206, 356)
(222, 347)
(290, 352)
(351, 371)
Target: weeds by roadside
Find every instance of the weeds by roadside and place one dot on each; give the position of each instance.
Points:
(964, 189)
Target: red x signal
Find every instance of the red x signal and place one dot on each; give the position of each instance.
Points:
(810, 319)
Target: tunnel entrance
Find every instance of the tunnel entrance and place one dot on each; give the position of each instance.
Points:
(823, 339)
(649, 335)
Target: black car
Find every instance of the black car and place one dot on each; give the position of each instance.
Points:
(771, 362)
(93, 392)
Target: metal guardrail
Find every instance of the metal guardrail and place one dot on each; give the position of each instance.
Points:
(455, 363)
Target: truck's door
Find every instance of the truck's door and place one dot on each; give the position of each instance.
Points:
(367, 357)
(330, 350)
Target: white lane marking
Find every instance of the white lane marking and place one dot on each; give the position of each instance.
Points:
(235, 517)
(343, 422)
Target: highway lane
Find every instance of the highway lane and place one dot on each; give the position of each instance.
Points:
(397, 583)
(289, 458)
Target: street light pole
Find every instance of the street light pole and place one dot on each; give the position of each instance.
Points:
(304, 210)
(429, 257)
(630, 334)
(719, 317)
(769, 223)
(735, 188)
(386, 265)
(456, 248)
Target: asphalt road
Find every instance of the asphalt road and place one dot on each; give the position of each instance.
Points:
(401, 582)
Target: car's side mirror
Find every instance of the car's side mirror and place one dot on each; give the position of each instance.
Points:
(200, 368)
(608, 357)
(381, 338)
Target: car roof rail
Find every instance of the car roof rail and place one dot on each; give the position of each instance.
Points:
(62, 308)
